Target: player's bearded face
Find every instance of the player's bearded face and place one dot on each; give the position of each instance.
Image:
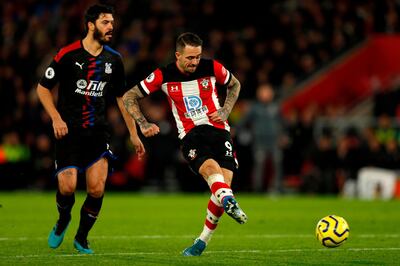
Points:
(102, 37)
(104, 28)
(189, 59)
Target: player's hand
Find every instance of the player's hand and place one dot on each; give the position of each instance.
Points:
(149, 129)
(138, 145)
(219, 116)
(60, 128)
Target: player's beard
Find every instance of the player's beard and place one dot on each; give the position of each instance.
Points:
(101, 38)
(191, 68)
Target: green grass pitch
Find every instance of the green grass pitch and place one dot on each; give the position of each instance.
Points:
(150, 229)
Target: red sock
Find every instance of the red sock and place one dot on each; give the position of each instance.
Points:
(218, 187)
(214, 212)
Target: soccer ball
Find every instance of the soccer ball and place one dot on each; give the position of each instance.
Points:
(332, 231)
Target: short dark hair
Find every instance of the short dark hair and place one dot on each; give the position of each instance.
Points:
(188, 38)
(94, 11)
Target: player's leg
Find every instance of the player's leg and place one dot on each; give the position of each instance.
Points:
(96, 176)
(65, 198)
(222, 199)
(230, 204)
(219, 180)
(214, 213)
(199, 148)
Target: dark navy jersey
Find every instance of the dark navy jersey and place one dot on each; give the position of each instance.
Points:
(86, 82)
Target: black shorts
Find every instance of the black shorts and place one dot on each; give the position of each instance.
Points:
(77, 150)
(207, 142)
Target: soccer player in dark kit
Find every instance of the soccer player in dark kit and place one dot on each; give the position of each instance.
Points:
(190, 85)
(87, 72)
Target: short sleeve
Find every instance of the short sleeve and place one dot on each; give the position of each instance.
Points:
(152, 83)
(222, 75)
(51, 75)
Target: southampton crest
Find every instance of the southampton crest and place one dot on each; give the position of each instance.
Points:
(205, 84)
(192, 154)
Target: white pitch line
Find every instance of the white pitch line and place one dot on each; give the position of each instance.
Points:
(192, 236)
(209, 252)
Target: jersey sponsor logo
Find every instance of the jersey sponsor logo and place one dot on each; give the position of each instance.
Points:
(108, 69)
(194, 107)
(150, 77)
(94, 88)
(197, 113)
(80, 65)
(192, 102)
(50, 73)
(81, 84)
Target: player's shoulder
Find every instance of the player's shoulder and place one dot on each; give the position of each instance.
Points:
(206, 66)
(112, 51)
(206, 63)
(67, 50)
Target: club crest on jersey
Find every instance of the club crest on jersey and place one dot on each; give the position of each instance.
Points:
(192, 154)
(205, 84)
(108, 68)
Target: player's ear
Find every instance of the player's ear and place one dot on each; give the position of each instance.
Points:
(177, 55)
(90, 26)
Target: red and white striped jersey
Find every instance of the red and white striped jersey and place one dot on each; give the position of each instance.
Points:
(191, 96)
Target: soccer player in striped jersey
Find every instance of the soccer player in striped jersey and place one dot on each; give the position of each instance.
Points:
(88, 73)
(190, 84)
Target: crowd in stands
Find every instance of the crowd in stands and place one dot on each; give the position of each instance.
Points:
(279, 43)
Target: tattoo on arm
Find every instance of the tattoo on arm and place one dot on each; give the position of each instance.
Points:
(131, 103)
(231, 98)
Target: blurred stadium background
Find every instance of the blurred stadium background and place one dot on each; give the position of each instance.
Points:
(334, 67)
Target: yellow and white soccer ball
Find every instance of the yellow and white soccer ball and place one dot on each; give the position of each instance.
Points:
(332, 231)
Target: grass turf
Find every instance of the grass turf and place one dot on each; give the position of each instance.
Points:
(148, 229)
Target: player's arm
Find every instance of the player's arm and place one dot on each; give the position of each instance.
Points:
(232, 95)
(130, 123)
(46, 98)
(131, 103)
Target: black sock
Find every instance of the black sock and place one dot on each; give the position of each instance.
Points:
(64, 207)
(89, 212)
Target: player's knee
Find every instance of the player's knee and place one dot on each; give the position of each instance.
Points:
(67, 189)
(67, 180)
(209, 167)
(96, 191)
